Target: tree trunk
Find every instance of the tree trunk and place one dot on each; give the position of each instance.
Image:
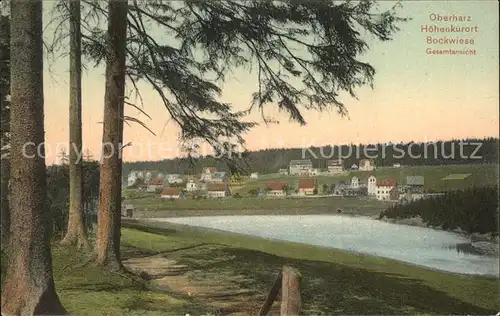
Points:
(29, 285)
(4, 204)
(109, 217)
(4, 141)
(77, 232)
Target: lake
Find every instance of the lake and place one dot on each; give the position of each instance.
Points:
(417, 245)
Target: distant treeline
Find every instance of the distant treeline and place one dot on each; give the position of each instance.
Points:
(474, 210)
(467, 151)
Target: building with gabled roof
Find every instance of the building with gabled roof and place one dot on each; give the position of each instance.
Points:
(208, 173)
(300, 167)
(366, 165)
(171, 193)
(307, 186)
(276, 189)
(335, 166)
(154, 185)
(414, 184)
(384, 187)
(217, 190)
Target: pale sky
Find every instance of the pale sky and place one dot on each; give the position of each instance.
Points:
(417, 96)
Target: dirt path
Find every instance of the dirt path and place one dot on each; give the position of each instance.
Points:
(222, 294)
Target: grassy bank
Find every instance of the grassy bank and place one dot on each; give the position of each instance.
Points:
(334, 282)
(375, 212)
(329, 204)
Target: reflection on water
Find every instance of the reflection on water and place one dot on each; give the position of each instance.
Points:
(465, 248)
(418, 245)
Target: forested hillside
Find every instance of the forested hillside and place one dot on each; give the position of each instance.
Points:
(270, 160)
(474, 210)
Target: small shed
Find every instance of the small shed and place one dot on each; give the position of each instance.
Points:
(128, 210)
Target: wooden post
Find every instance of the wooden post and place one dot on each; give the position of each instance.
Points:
(290, 292)
(271, 297)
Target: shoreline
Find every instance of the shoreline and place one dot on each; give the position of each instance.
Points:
(361, 211)
(417, 221)
(482, 244)
(159, 227)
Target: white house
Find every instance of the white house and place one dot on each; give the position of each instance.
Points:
(384, 188)
(148, 175)
(396, 165)
(355, 182)
(173, 178)
(340, 188)
(133, 176)
(192, 186)
(131, 179)
(276, 189)
(354, 167)
(335, 166)
(171, 193)
(283, 172)
(208, 173)
(303, 167)
(410, 197)
(372, 185)
(254, 175)
(217, 190)
(366, 165)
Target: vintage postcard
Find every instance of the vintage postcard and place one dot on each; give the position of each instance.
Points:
(244, 157)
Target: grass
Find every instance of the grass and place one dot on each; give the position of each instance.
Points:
(92, 290)
(254, 204)
(334, 282)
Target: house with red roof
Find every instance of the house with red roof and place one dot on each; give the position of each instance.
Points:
(276, 189)
(208, 174)
(384, 187)
(308, 186)
(218, 190)
(155, 185)
(171, 193)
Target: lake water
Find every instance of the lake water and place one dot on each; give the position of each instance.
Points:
(417, 245)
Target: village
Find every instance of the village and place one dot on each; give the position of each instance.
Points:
(212, 183)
